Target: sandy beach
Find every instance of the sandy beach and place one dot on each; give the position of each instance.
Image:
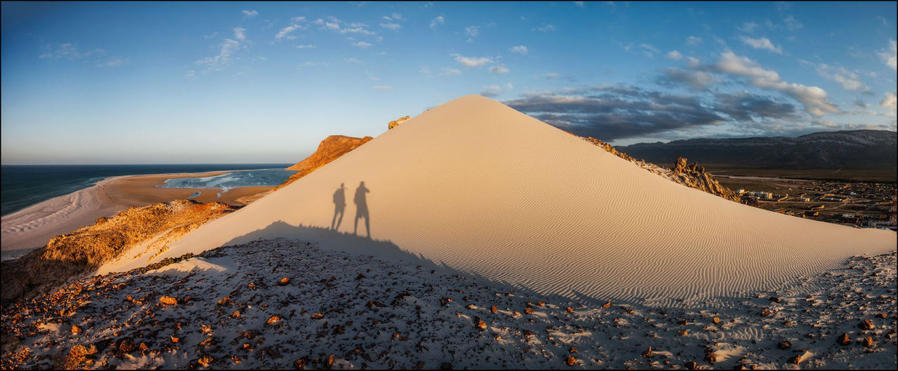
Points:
(34, 226)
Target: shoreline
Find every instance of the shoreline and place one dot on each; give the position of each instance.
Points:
(32, 227)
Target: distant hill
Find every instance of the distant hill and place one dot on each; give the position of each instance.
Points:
(855, 149)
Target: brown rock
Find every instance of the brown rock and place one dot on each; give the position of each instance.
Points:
(648, 353)
(866, 325)
(168, 300)
(396, 122)
(479, 323)
(691, 365)
(528, 310)
(803, 356)
(330, 361)
(299, 364)
(493, 309)
(766, 312)
(76, 330)
(868, 342)
(570, 360)
(716, 320)
(204, 361)
(284, 281)
(273, 320)
(78, 356)
(330, 149)
(844, 339)
(127, 345)
(174, 339)
(570, 310)
(785, 344)
(606, 305)
(317, 316)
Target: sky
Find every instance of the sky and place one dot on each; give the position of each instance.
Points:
(116, 83)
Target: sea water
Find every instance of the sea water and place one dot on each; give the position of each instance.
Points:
(231, 180)
(25, 185)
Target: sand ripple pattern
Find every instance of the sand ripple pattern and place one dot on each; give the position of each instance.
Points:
(482, 188)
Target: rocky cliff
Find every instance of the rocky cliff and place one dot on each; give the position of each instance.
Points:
(330, 149)
(66, 256)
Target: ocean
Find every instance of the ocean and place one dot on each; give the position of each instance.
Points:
(25, 185)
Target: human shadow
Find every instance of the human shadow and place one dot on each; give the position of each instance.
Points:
(339, 206)
(361, 208)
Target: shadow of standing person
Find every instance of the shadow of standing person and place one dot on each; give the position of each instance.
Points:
(361, 208)
(339, 206)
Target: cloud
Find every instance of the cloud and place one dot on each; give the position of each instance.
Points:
(217, 62)
(519, 49)
(813, 98)
(353, 60)
(889, 101)
(393, 17)
(382, 87)
(693, 40)
(250, 13)
(337, 25)
(649, 50)
(888, 55)
(675, 55)
(745, 107)
(792, 24)
(578, 3)
(697, 80)
(391, 26)
(472, 61)
(849, 80)
(762, 43)
(472, 32)
(240, 33)
(748, 27)
(551, 76)
(114, 62)
(692, 62)
(437, 21)
(616, 112)
(499, 69)
(491, 91)
(545, 28)
(450, 72)
(298, 23)
(306, 46)
(362, 44)
(71, 52)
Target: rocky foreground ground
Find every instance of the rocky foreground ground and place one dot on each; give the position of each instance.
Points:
(285, 304)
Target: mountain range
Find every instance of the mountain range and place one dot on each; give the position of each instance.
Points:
(854, 149)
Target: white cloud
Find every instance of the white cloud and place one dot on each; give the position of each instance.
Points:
(352, 60)
(748, 27)
(382, 87)
(520, 49)
(223, 58)
(362, 44)
(240, 33)
(578, 3)
(491, 90)
(849, 80)
(70, 51)
(693, 40)
(792, 24)
(393, 17)
(762, 43)
(813, 98)
(649, 50)
(391, 26)
(889, 101)
(675, 55)
(888, 55)
(451, 72)
(472, 61)
(499, 69)
(472, 31)
(114, 62)
(306, 46)
(437, 21)
(250, 13)
(551, 76)
(545, 28)
(286, 31)
(692, 61)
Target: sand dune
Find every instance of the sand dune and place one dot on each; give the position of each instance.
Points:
(485, 189)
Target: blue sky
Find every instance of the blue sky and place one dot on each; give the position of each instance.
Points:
(265, 82)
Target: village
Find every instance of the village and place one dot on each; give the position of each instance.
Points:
(861, 204)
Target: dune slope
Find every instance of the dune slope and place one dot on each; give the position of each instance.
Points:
(488, 190)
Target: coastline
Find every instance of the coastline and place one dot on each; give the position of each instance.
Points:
(34, 226)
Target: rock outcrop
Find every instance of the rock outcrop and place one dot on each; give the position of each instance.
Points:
(683, 173)
(83, 251)
(396, 122)
(696, 177)
(330, 149)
